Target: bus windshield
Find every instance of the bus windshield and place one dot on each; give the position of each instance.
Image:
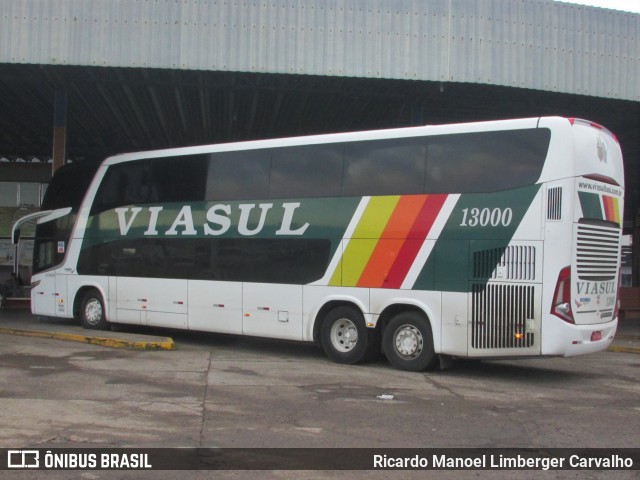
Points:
(67, 189)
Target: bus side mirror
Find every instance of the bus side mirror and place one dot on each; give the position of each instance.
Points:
(15, 238)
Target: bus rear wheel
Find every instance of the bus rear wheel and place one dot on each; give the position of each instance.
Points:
(92, 313)
(408, 342)
(344, 336)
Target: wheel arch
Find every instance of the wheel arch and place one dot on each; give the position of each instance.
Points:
(406, 305)
(79, 296)
(330, 305)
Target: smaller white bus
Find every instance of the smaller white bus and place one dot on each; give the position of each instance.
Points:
(484, 240)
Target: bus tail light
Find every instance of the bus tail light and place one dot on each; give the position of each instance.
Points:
(561, 306)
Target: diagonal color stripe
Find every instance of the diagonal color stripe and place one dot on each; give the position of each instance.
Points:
(421, 227)
(335, 267)
(392, 239)
(365, 237)
(611, 209)
(427, 245)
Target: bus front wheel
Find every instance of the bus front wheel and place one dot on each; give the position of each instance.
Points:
(92, 313)
(344, 336)
(408, 342)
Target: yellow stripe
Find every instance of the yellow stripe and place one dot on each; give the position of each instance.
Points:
(364, 240)
(336, 278)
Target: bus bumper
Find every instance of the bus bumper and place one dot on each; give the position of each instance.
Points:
(564, 339)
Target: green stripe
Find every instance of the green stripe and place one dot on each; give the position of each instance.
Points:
(450, 265)
(327, 218)
(590, 203)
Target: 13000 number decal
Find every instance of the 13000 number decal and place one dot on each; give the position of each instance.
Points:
(477, 217)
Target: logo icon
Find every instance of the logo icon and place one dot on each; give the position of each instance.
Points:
(23, 459)
(601, 148)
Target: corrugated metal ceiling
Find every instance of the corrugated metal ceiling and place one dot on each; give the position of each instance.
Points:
(537, 44)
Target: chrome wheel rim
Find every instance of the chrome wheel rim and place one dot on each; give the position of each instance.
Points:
(408, 342)
(93, 311)
(344, 335)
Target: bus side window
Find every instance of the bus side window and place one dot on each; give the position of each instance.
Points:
(177, 179)
(485, 161)
(238, 175)
(124, 184)
(306, 171)
(384, 167)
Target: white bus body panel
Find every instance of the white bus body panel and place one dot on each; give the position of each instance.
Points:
(159, 302)
(456, 325)
(215, 306)
(272, 310)
(568, 340)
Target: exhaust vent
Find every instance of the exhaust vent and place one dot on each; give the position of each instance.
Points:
(554, 203)
(502, 316)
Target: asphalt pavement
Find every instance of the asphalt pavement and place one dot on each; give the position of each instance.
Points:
(222, 391)
(21, 322)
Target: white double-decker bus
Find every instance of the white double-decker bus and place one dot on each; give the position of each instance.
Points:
(484, 240)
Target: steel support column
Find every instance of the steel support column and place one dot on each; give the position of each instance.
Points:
(59, 130)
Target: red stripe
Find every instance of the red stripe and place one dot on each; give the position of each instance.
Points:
(414, 241)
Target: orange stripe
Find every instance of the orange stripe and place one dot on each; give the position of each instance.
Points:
(609, 210)
(407, 254)
(391, 241)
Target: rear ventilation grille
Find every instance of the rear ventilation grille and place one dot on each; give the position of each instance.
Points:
(516, 262)
(597, 251)
(554, 203)
(501, 316)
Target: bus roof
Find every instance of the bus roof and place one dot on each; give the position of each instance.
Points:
(333, 138)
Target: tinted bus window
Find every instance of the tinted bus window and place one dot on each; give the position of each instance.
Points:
(307, 171)
(284, 260)
(124, 184)
(179, 179)
(384, 167)
(162, 180)
(68, 186)
(67, 189)
(485, 161)
(239, 175)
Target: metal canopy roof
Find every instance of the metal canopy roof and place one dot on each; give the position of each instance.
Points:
(536, 44)
(115, 110)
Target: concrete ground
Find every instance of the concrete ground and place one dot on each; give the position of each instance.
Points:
(224, 391)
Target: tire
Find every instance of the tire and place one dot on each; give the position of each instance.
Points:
(408, 342)
(92, 314)
(344, 336)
